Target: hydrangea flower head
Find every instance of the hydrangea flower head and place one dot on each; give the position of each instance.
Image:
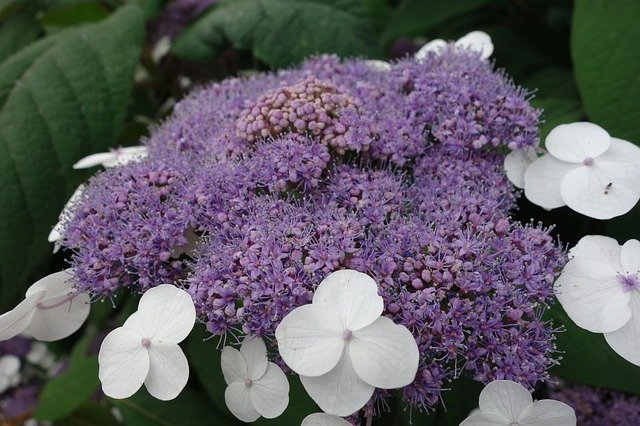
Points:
(257, 189)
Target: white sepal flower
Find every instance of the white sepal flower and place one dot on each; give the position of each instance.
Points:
(516, 163)
(343, 348)
(587, 170)
(145, 349)
(478, 41)
(378, 65)
(40, 355)
(52, 310)
(599, 288)
(257, 387)
(324, 419)
(9, 372)
(56, 233)
(503, 402)
(113, 158)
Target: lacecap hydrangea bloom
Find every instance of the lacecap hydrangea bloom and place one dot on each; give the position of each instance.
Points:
(256, 189)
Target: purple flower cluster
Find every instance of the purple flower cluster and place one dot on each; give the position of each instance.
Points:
(598, 406)
(283, 178)
(176, 16)
(18, 403)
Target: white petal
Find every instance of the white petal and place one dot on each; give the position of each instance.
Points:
(385, 354)
(354, 295)
(56, 233)
(340, 392)
(124, 363)
(548, 412)
(310, 339)
(234, 367)
(17, 320)
(62, 311)
(600, 248)
(603, 190)
(239, 402)
(542, 181)
(94, 160)
(516, 163)
(127, 155)
(505, 397)
(324, 419)
(630, 257)
(377, 65)
(626, 340)
(577, 141)
(592, 296)
(167, 313)
(435, 45)
(485, 419)
(254, 352)
(478, 41)
(270, 394)
(9, 365)
(168, 371)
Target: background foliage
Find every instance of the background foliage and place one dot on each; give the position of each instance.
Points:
(68, 87)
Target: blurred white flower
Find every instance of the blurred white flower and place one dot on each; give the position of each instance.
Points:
(587, 170)
(378, 65)
(56, 233)
(145, 349)
(52, 310)
(343, 348)
(516, 163)
(113, 158)
(9, 372)
(257, 387)
(599, 288)
(503, 402)
(324, 419)
(41, 356)
(475, 40)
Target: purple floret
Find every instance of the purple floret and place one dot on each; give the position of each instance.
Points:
(598, 406)
(279, 179)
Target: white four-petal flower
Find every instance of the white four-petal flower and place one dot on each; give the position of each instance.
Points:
(587, 170)
(257, 387)
(343, 348)
(9, 372)
(503, 402)
(56, 233)
(52, 310)
(516, 163)
(145, 349)
(113, 158)
(324, 419)
(599, 288)
(476, 40)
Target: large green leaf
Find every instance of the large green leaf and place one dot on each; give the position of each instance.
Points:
(89, 414)
(204, 356)
(61, 98)
(16, 32)
(587, 358)
(415, 17)
(189, 408)
(280, 32)
(605, 39)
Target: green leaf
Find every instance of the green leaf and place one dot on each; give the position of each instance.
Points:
(557, 95)
(16, 32)
(204, 356)
(280, 32)
(190, 408)
(61, 98)
(68, 15)
(89, 414)
(65, 393)
(587, 358)
(417, 17)
(604, 45)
